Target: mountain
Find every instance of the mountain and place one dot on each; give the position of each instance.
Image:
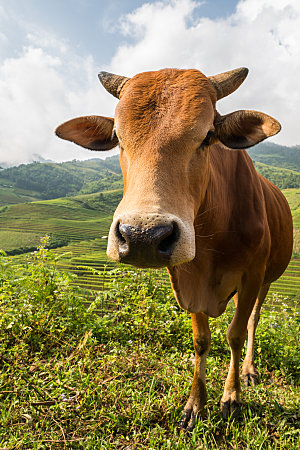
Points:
(53, 180)
(36, 157)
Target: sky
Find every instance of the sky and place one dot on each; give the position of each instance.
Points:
(51, 53)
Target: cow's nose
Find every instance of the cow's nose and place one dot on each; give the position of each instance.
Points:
(146, 247)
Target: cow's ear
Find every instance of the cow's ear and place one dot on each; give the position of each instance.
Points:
(92, 132)
(242, 129)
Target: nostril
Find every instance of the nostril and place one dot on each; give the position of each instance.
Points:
(120, 233)
(166, 244)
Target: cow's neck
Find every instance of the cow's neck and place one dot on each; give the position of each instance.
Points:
(227, 220)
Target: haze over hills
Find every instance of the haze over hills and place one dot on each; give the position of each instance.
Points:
(36, 157)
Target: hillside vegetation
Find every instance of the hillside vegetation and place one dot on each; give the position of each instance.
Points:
(282, 178)
(276, 155)
(53, 180)
(66, 219)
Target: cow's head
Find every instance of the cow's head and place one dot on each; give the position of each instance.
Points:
(164, 125)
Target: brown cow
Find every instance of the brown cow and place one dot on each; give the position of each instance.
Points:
(194, 203)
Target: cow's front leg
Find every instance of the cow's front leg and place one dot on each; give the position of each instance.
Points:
(198, 396)
(236, 334)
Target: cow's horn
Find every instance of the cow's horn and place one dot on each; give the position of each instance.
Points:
(112, 83)
(227, 82)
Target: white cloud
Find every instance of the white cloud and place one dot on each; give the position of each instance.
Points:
(38, 91)
(162, 37)
(263, 35)
(41, 38)
(3, 17)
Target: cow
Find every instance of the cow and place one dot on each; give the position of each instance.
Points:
(194, 203)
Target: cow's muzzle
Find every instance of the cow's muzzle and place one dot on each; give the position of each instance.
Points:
(146, 247)
(150, 239)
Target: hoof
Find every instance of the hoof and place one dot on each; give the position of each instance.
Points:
(250, 379)
(188, 420)
(230, 410)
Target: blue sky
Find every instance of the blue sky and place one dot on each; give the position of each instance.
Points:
(51, 52)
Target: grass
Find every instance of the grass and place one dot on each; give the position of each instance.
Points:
(116, 375)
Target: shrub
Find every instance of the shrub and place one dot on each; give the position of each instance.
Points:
(39, 309)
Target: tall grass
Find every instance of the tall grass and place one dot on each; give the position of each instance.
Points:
(116, 374)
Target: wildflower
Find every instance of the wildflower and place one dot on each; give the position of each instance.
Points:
(65, 398)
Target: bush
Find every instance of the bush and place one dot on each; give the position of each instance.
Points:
(139, 308)
(39, 309)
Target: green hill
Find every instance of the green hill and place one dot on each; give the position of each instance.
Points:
(283, 178)
(276, 155)
(29, 182)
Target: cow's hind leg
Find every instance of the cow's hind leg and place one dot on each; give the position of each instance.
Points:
(198, 396)
(248, 370)
(236, 334)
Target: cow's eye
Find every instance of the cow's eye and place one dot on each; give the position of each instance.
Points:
(207, 141)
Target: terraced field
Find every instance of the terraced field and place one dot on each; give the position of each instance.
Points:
(10, 196)
(85, 228)
(69, 218)
(92, 269)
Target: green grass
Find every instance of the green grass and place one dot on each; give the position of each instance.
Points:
(116, 375)
(293, 197)
(9, 195)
